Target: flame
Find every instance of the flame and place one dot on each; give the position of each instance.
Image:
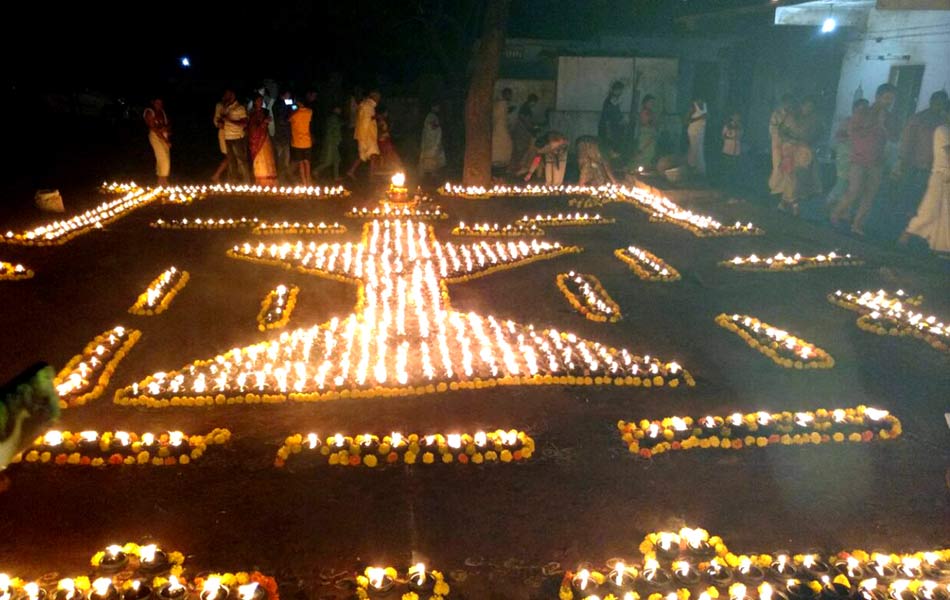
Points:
(619, 569)
(667, 539)
(147, 553)
(175, 438)
(211, 587)
(790, 583)
(927, 589)
(246, 592)
(53, 438)
(396, 438)
(765, 591)
(650, 566)
(931, 558)
(148, 439)
(4, 582)
(174, 585)
(454, 440)
(32, 590)
(398, 180)
(853, 564)
(868, 584)
(419, 570)
(745, 564)
(338, 440)
(113, 550)
(704, 596)
(313, 440)
(68, 586)
(584, 577)
(910, 564)
(89, 436)
(681, 567)
(782, 563)
(481, 438)
(101, 586)
(123, 437)
(875, 414)
(737, 591)
(694, 537)
(376, 576)
(136, 584)
(808, 561)
(898, 587)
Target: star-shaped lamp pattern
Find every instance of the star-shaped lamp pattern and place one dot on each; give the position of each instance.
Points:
(404, 337)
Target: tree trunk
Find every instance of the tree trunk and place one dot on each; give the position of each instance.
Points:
(478, 104)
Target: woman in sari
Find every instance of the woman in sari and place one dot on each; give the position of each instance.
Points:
(799, 174)
(646, 138)
(262, 151)
(389, 160)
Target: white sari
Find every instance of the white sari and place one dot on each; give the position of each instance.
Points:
(932, 221)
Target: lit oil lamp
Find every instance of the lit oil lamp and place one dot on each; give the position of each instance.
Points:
(931, 590)
(880, 568)
(685, 574)
(738, 591)
(621, 577)
(910, 567)
(103, 589)
(213, 589)
(380, 582)
(31, 591)
(136, 590)
(782, 567)
(251, 591)
(868, 590)
(934, 566)
(797, 589)
(420, 581)
(5, 586)
(398, 192)
(668, 546)
(66, 590)
(152, 559)
(718, 573)
(831, 590)
(584, 584)
(172, 590)
(850, 567)
(696, 543)
(653, 575)
(748, 573)
(114, 559)
(813, 567)
(899, 590)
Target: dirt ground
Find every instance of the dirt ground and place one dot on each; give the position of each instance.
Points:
(581, 498)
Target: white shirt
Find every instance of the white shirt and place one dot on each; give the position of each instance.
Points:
(233, 131)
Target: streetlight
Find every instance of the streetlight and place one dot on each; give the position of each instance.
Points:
(829, 25)
(185, 62)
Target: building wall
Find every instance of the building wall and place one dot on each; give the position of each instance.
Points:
(895, 38)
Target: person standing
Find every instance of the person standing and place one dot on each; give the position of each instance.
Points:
(523, 136)
(799, 172)
(283, 108)
(776, 120)
(222, 145)
(731, 150)
(366, 134)
(501, 134)
(332, 137)
(431, 153)
(646, 137)
(696, 130)
(301, 141)
(932, 221)
(262, 151)
(234, 119)
(389, 161)
(610, 125)
(843, 154)
(868, 133)
(916, 155)
(159, 136)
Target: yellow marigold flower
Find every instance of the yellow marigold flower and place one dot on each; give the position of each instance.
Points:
(447, 458)
(428, 458)
(815, 438)
(491, 455)
(838, 437)
(854, 437)
(841, 579)
(506, 456)
(761, 441)
(409, 458)
(478, 458)
(97, 558)
(370, 460)
(565, 593)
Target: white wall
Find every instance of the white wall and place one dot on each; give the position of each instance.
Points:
(924, 35)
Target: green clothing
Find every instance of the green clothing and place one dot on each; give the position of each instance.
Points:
(331, 139)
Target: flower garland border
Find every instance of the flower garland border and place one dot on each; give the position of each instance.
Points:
(210, 224)
(724, 231)
(428, 215)
(42, 453)
(565, 222)
(262, 325)
(867, 323)
(823, 360)
(495, 450)
(642, 273)
(440, 588)
(165, 302)
(820, 421)
(8, 272)
(581, 307)
(108, 368)
(510, 230)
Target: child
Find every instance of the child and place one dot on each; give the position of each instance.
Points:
(731, 149)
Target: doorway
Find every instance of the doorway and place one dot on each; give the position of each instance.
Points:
(907, 79)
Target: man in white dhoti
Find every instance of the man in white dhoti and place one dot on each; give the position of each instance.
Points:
(366, 133)
(500, 132)
(696, 130)
(431, 153)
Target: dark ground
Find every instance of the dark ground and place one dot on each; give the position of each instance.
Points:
(581, 498)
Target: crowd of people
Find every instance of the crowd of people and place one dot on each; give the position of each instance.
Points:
(269, 140)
